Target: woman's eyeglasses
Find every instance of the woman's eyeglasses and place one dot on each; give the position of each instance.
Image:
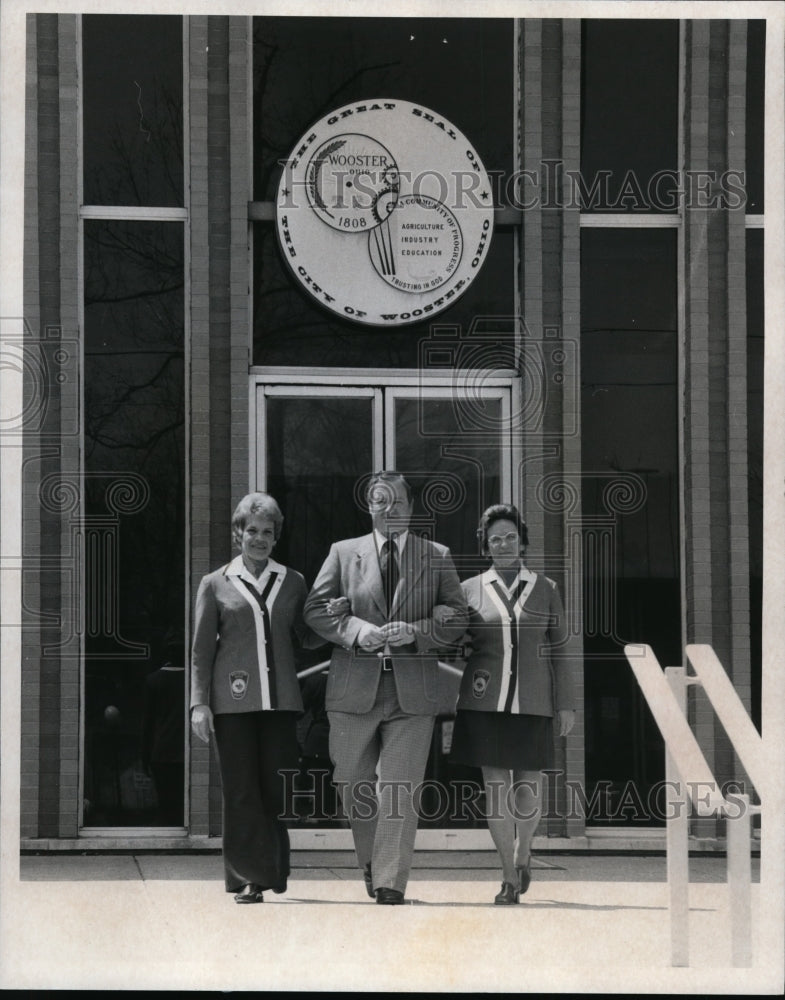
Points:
(509, 539)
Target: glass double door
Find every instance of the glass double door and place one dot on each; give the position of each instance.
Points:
(316, 446)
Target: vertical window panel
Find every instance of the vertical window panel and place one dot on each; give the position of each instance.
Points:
(629, 114)
(133, 109)
(629, 422)
(756, 68)
(755, 348)
(134, 474)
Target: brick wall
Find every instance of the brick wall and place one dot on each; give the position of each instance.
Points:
(49, 306)
(69, 649)
(715, 426)
(550, 284)
(202, 556)
(574, 760)
(50, 661)
(219, 193)
(31, 529)
(240, 143)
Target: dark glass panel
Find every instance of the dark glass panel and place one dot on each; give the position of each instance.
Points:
(306, 66)
(453, 468)
(629, 113)
(318, 449)
(290, 328)
(756, 67)
(755, 346)
(629, 423)
(134, 442)
(133, 109)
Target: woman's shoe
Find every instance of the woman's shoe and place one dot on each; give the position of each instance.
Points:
(508, 896)
(250, 893)
(525, 876)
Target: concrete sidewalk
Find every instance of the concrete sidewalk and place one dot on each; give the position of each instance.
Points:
(432, 866)
(588, 923)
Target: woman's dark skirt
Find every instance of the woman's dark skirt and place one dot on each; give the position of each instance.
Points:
(500, 739)
(254, 748)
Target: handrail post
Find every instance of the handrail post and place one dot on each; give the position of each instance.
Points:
(677, 837)
(738, 831)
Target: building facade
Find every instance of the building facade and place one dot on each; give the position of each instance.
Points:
(603, 371)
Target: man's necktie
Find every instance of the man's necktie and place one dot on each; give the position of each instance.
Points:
(389, 567)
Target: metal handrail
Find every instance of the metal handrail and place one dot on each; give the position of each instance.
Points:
(674, 727)
(730, 711)
(687, 770)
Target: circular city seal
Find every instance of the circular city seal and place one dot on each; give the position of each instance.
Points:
(384, 212)
(352, 182)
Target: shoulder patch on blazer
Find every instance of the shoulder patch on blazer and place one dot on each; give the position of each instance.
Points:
(238, 683)
(480, 680)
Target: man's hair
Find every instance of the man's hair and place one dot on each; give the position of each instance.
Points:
(386, 478)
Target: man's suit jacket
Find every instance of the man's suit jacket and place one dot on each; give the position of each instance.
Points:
(427, 578)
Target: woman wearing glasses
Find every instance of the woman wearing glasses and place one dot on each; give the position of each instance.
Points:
(514, 683)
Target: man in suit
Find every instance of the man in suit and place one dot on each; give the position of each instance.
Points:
(383, 681)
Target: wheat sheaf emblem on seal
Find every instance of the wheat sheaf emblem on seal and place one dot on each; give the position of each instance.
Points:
(352, 183)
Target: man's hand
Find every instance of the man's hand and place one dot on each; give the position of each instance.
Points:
(443, 614)
(398, 633)
(202, 722)
(371, 637)
(338, 606)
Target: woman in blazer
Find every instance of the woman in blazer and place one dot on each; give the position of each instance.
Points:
(244, 689)
(513, 684)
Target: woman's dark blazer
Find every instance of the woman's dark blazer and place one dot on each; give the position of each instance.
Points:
(516, 666)
(235, 666)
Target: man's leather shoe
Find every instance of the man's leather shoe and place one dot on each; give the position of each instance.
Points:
(250, 893)
(368, 880)
(389, 897)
